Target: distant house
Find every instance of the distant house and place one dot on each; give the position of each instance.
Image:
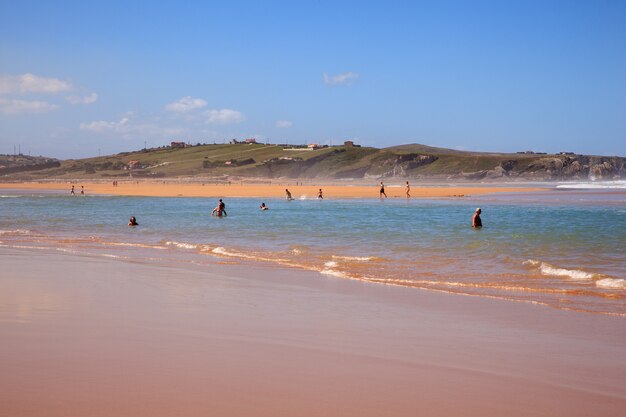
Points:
(250, 140)
(175, 145)
(134, 165)
(313, 146)
(348, 144)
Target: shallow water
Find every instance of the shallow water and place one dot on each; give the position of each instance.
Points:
(565, 249)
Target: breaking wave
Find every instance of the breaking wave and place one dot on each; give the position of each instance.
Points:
(611, 283)
(181, 245)
(550, 270)
(593, 185)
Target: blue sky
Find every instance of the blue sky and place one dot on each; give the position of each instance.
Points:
(80, 79)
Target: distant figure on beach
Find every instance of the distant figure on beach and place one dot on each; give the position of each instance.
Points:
(133, 221)
(476, 222)
(382, 190)
(263, 207)
(220, 210)
(320, 195)
(289, 198)
(408, 189)
(72, 191)
(82, 190)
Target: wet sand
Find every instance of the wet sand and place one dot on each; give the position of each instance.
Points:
(94, 336)
(197, 189)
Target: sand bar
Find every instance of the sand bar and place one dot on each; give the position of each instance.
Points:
(211, 189)
(86, 335)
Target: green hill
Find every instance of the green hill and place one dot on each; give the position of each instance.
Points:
(339, 162)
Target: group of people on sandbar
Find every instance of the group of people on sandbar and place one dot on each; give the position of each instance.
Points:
(382, 194)
(73, 190)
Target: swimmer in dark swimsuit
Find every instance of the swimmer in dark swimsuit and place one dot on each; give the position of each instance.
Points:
(263, 207)
(133, 221)
(319, 194)
(476, 222)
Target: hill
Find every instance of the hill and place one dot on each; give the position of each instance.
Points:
(11, 164)
(340, 162)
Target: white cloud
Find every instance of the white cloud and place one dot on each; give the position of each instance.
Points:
(129, 128)
(103, 126)
(224, 116)
(283, 124)
(30, 83)
(88, 99)
(346, 78)
(186, 104)
(25, 106)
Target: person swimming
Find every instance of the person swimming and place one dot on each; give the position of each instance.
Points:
(263, 207)
(133, 221)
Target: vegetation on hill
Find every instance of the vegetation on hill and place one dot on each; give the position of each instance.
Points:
(339, 162)
(11, 164)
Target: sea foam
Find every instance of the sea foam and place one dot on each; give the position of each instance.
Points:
(611, 283)
(334, 273)
(591, 185)
(182, 245)
(547, 269)
(15, 232)
(354, 258)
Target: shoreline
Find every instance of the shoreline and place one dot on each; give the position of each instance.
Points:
(146, 188)
(118, 337)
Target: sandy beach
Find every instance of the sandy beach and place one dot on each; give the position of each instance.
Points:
(150, 188)
(87, 335)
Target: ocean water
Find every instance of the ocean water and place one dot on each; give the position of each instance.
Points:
(563, 248)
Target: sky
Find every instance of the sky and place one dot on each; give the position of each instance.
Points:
(80, 79)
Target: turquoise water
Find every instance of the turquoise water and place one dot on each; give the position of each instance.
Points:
(565, 249)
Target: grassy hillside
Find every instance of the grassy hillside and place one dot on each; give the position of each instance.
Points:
(271, 161)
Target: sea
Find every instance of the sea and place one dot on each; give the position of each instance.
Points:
(563, 248)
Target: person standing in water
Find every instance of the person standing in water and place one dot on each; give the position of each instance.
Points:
(408, 190)
(476, 222)
(288, 194)
(263, 207)
(133, 221)
(72, 191)
(82, 190)
(320, 195)
(382, 190)
(220, 210)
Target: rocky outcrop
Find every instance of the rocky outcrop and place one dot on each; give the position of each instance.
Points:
(575, 167)
(558, 167)
(399, 165)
